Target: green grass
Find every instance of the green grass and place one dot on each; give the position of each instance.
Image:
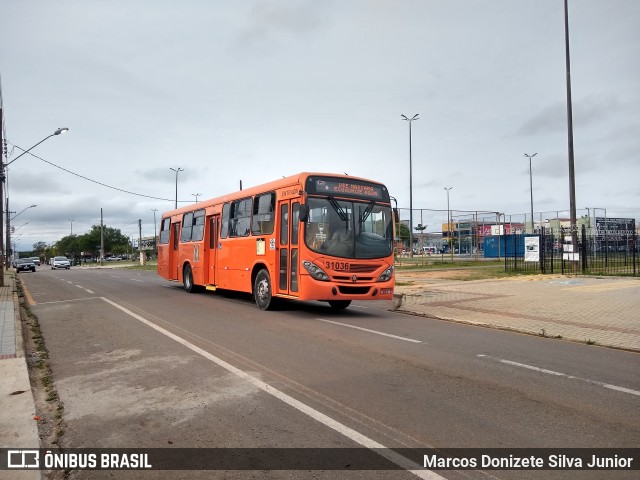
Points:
(459, 269)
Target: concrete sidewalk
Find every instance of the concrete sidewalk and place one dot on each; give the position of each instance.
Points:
(17, 406)
(602, 311)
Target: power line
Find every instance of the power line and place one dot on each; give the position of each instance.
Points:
(97, 182)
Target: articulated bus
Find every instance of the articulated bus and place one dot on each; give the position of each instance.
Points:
(311, 236)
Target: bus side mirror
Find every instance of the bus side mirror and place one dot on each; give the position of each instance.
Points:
(303, 213)
(396, 215)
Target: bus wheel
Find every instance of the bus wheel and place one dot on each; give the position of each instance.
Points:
(339, 304)
(262, 290)
(187, 279)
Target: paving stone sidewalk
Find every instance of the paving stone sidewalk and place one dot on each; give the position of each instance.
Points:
(17, 407)
(582, 309)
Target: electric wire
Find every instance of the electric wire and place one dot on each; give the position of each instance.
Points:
(97, 182)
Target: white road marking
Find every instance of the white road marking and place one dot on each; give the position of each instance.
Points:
(370, 331)
(348, 432)
(560, 374)
(85, 289)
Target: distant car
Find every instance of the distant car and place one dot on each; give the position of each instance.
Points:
(113, 259)
(60, 262)
(25, 265)
(36, 260)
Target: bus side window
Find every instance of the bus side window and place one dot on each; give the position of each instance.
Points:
(165, 231)
(224, 228)
(263, 216)
(187, 227)
(239, 226)
(198, 226)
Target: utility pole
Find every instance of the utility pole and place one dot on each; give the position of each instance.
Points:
(101, 238)
(142, 259)
(155, 232)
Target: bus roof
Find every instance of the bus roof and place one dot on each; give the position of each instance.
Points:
(297, 179)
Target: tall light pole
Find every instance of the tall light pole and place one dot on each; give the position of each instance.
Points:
(71, 220)
(449, 223)
(2, 194)
(531, 187)
(177, 170)
(196, 195)
(572, 175)
(57, 132)
(410, 120)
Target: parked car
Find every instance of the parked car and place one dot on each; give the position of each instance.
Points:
(60, 262)
(25, 265)
(36, 260)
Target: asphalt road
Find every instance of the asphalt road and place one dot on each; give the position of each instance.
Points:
(138, 362)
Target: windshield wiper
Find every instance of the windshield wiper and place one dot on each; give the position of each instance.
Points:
(341, 212)
(365, 214)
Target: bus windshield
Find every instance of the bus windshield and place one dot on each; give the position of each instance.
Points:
(349, 229)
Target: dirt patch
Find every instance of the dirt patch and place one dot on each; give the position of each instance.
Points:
(49, 408)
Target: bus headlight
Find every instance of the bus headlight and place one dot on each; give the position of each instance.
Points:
(386, 275)
(315, 271)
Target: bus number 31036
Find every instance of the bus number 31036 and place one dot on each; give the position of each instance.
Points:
(338, 266)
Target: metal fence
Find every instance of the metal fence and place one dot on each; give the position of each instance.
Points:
(598, 252)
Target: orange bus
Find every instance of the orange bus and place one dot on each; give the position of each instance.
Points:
(311, 236)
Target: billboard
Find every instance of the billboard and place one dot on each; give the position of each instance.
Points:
(615, 228)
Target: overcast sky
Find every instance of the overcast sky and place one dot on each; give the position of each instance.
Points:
(254, 90)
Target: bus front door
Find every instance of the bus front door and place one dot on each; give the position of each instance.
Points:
(173, 258)
(288, 230)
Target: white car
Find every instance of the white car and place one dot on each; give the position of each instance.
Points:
(60, 262)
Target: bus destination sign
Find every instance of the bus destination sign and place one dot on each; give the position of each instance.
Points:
(349, 188)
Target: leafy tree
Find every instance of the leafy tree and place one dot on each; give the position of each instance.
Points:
(39, 248)
(403, 232)
(72, 245)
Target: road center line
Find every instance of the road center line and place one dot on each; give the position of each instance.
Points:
(348, 432)
(370, 331)
(560, 374)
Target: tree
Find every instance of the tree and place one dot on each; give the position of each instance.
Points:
(403, 232)
(421, 228)
(39, 248)
(73, 245)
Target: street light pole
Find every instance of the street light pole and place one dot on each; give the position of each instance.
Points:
(410, 120)
(2, 194)
(449, 223)
(572, 176)
(196, 195)
(21, 211)
(177, 170)
(531, 187)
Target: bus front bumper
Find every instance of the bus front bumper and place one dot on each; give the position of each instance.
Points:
(312, 289)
